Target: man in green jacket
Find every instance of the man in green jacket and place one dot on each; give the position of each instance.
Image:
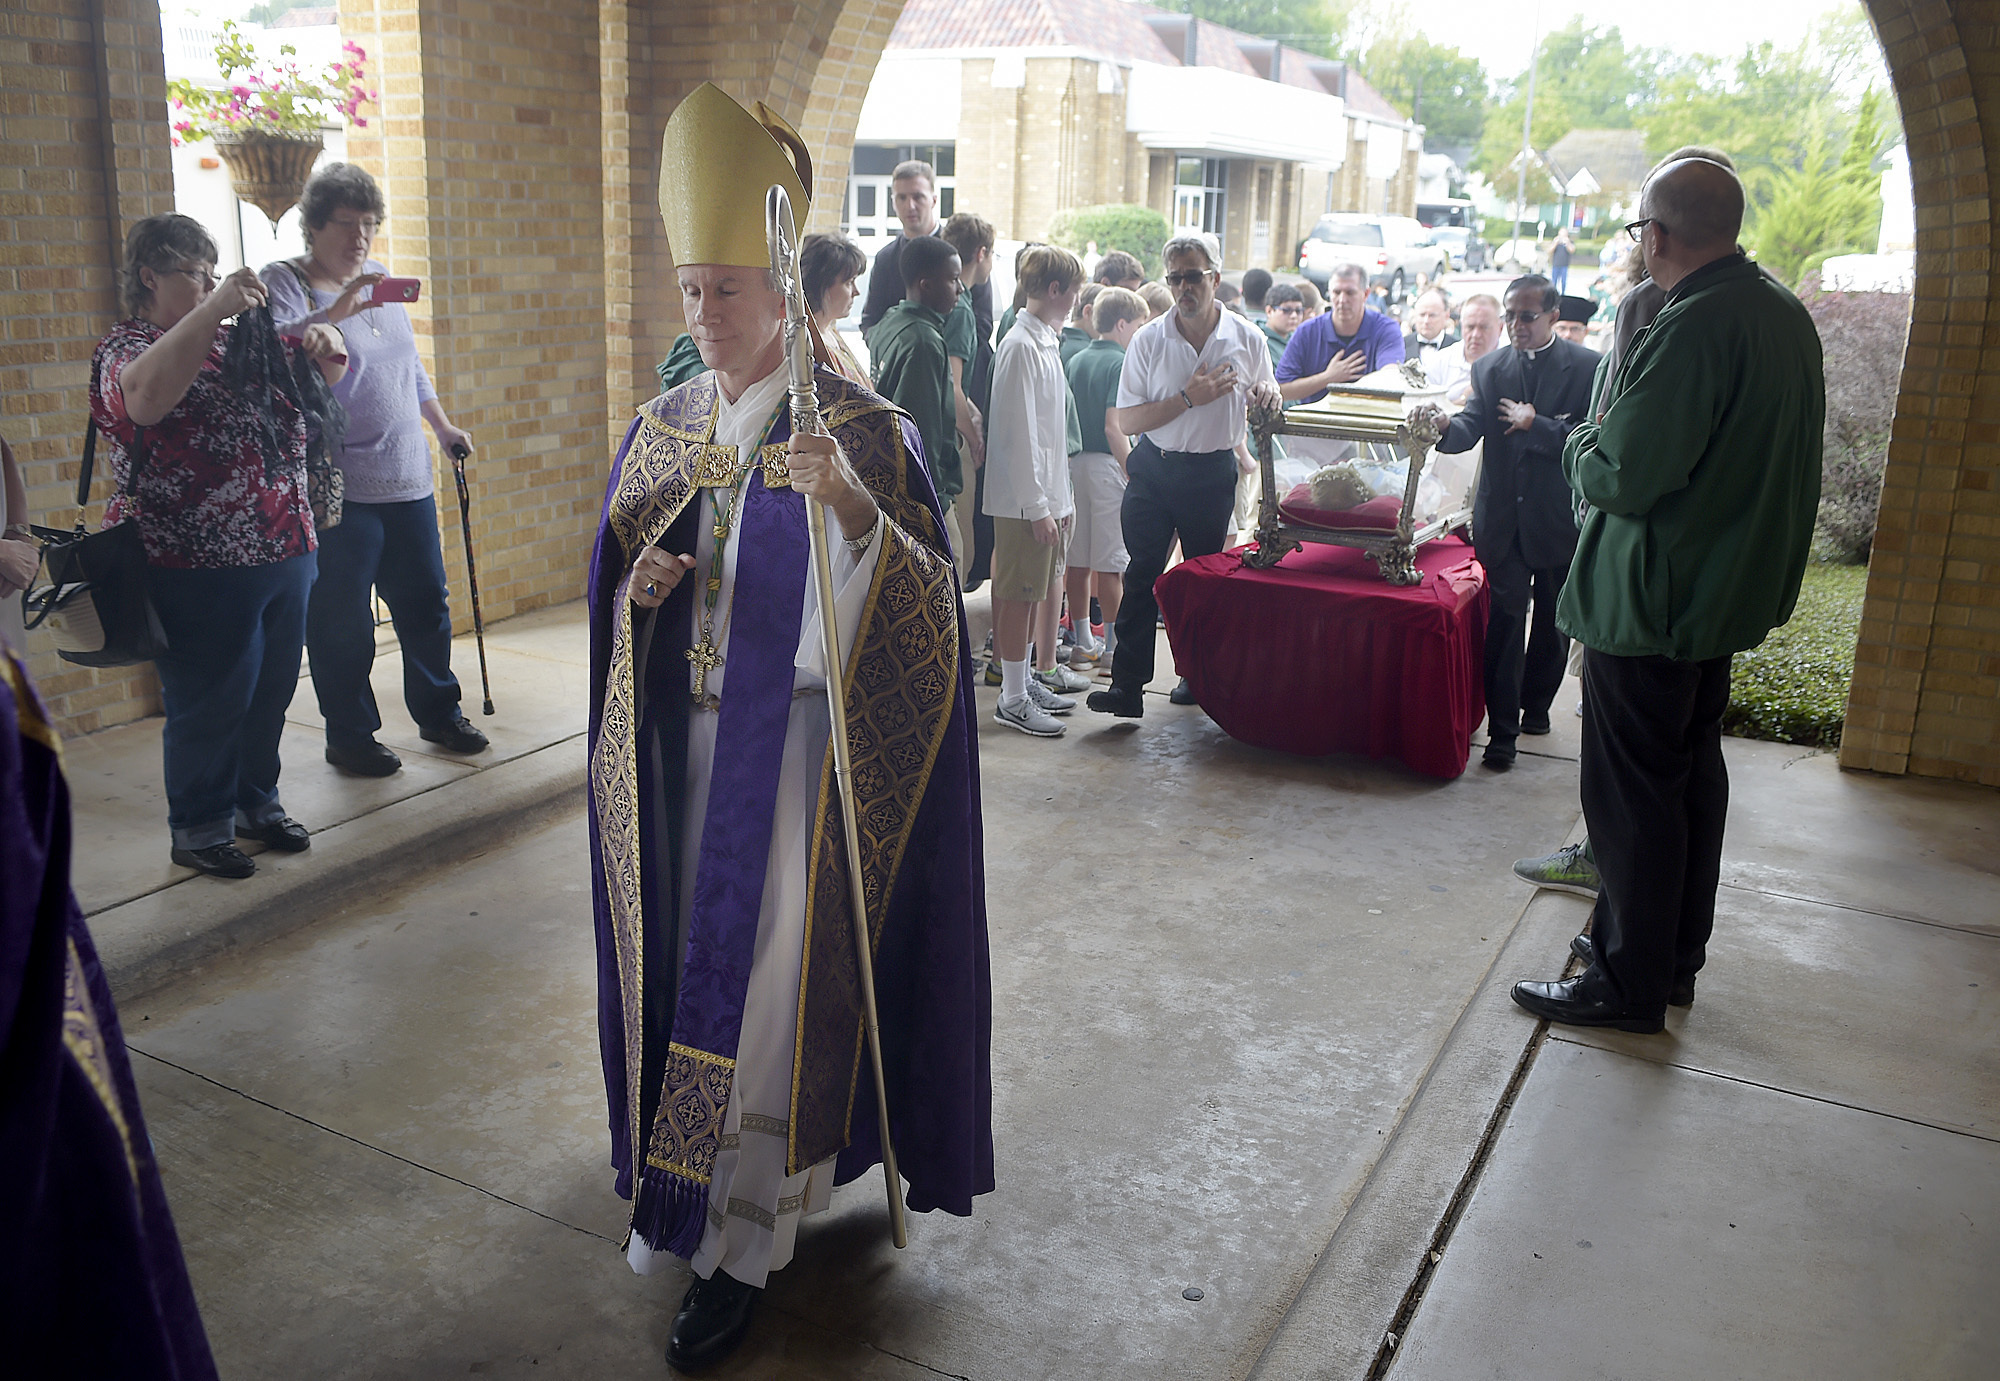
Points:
(910, 365)
(1702, 479)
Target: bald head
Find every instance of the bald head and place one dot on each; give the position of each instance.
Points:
(1697, 202)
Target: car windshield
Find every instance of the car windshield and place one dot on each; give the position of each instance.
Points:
(1350, 232)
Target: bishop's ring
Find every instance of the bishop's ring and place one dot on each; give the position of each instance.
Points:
(652, 590)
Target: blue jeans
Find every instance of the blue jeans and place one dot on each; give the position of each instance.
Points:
(1560, 278)
(394, 548)
(233, 638)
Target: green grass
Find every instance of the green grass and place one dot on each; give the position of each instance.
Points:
(1793, 689)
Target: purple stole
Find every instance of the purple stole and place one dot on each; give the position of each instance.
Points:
(672, 1207)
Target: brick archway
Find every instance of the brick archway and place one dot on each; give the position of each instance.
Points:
(1926, 693)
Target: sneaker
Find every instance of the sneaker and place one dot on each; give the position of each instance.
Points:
(1046, 700)
(1565, 870)
(993, 676)
(1082, 656)
(1028, 717)
(223, 860)
(1062, 680)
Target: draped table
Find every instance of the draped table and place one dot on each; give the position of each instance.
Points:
(1319, 654)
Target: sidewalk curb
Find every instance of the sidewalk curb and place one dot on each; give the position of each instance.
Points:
(1334, 1327)
(163, 935)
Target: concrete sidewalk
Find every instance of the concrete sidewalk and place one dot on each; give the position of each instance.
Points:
(1252, 1042)
(153, 919)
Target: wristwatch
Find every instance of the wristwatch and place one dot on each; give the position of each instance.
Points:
(1185, 399)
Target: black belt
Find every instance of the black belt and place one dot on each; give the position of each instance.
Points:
(1148, 441)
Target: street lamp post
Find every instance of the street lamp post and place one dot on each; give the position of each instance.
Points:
(1527, 133)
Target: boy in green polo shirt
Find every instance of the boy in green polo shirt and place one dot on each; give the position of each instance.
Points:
(911, 368)
(971, 375)
(1097, 558)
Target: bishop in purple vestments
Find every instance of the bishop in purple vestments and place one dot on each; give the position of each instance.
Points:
(729, 1000)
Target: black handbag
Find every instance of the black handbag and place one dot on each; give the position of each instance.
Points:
(96, 606)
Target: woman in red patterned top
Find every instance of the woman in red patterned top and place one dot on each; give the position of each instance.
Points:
(227, 529)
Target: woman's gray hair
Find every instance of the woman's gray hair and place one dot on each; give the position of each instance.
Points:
(340, 186)
(162, 244)
(1194, 242)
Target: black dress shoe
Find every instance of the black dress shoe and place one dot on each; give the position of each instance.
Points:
(1681, 994)
(1124, 701)
(456, 737)
(364, 759)
(713, 1319)
(1500, 754)
(286, 834)
(1532, 723)
(1561, 1001)
(223, 860)
(1183, 694)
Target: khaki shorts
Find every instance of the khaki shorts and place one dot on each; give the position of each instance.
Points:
(1098, 540)
(958, 522)
(1024, 569)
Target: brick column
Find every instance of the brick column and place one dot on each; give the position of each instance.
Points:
(84, 153)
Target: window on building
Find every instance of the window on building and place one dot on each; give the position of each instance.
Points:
(870, 210)
(1201, 194)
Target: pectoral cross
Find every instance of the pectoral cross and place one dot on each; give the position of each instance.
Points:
(705, 659)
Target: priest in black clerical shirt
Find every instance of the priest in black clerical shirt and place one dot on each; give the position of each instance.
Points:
(1525, 402)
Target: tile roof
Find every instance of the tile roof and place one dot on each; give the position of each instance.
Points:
(1121, 31)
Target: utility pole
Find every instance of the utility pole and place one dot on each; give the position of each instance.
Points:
(1527, 128)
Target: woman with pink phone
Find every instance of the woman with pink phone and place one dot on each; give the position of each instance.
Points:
(387, 539)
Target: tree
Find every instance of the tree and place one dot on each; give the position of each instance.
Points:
(1312, 25)
(270, 9)
(1825, 206)
(1441, 87)
(1585, 78)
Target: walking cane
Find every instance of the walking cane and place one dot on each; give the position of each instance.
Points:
(459, 452)
(782, 232)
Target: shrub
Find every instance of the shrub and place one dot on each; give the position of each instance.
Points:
(1138, 230)
(1793, 687)
(1863, 335)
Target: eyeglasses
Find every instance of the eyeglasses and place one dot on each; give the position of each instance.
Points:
(1638, 228)
(1187, 278)
(1523, 317)
(201, 276)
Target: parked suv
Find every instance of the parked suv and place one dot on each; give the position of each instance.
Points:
(1396, 251)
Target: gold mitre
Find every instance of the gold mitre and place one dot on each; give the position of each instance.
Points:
(716, 164)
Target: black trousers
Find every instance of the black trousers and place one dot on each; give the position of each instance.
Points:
(1655, 794)
(1189, 493)
(1524, 658)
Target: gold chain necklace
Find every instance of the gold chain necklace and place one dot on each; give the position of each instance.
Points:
(706, 655)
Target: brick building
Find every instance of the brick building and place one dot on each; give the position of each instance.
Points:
(1027, 109)
(518, 145)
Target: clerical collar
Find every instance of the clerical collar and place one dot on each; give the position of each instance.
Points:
(1533, 354)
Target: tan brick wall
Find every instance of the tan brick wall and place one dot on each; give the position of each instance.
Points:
(1926, 694)
(60, 83)
(488, 147)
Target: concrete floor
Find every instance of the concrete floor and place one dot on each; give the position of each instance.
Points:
(1250, 1020)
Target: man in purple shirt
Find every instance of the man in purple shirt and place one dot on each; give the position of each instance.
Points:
(1340, 345)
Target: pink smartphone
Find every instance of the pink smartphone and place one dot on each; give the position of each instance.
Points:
(398, 290)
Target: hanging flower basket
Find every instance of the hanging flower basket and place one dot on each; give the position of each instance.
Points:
(269, 170)
(266, 118)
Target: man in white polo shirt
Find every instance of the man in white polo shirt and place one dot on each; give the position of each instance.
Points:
(1188, 376)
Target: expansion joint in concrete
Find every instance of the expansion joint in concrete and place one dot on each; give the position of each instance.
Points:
(1455, 1208)
(364, 1145)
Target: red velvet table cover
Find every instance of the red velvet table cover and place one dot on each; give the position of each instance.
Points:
(1320, 655)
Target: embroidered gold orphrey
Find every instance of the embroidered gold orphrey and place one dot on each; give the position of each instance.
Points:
(900, 684)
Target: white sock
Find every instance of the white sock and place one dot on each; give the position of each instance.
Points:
(1013, 680)
(1110, 638)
